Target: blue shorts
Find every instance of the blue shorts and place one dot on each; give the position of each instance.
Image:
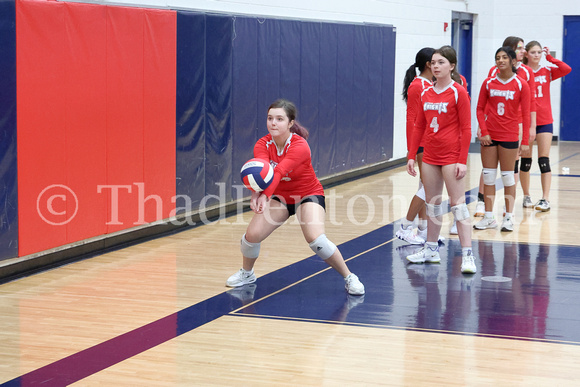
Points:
(549, 128)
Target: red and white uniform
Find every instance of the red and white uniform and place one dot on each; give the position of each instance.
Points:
(294, 176)
(417, 86)
(498, 108)
(543, 76)
(444, 126)
(527, 74)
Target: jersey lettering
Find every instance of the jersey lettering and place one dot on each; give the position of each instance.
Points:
(440, 107)
(508, 94)
(541, 79)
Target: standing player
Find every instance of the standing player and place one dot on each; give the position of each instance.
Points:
(543, 76)
(413, 86)
(501, 99)
(526, 73)
(445, 128)
(295, 189)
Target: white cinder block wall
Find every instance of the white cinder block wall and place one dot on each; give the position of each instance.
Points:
(419, 23)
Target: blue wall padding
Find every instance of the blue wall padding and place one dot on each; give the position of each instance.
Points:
(8, 163)
(309, 103)
(344, 98)
(218, 106)
(245, 110)
(339, 76)
(190, 107)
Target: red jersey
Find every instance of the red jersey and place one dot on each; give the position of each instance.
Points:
(498, 108)
(414, 91)
(526, 73)
(444, 126)
(543, 76)
(294, 176)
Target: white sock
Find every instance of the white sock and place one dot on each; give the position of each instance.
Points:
(488, 215)
(465, 251)
(433, 246)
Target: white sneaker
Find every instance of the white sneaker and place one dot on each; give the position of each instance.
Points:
(241, 278)
(425, 255)
(479, 209)
(527, 202)
(353, 285)
(453, 229)
(468, 264)
(485, 223)
(407, 235)
(542, 205)
(423, 235)
(507, 224)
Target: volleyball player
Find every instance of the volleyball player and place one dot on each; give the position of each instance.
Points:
(526, 73)
(413, 85)
(501, 100)
(543, 76)
(295, 189)
(445, 128)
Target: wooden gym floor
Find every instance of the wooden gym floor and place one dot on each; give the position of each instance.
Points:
(159, 314)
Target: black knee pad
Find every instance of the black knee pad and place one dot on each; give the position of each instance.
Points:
(526, 164)
(544, 163)
(516, 168)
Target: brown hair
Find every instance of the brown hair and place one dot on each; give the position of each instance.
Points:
(529, 47)
(512, 41)
(291, 112)
(449, 53)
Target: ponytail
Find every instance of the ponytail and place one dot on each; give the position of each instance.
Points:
(409, 76)
(423, 56)
(299, 130)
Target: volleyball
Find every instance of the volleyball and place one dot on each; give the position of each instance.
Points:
(257, 174)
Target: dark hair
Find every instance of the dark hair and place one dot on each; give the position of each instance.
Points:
(529, 47)
(291, 112)
(423, 56)
(449, 53)
(512, 41)
(510, 52)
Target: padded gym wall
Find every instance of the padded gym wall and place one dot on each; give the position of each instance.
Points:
(8, 162)
(339, 75)
(96, 120)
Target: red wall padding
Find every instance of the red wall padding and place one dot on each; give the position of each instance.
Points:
(95, 107)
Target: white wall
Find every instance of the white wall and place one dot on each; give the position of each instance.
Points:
(419, 23)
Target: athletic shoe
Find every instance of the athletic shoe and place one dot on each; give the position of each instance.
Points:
(353, 285)
(468, 264)
(425, 255)
(453, 229)
(527, 202)
(507, 224)
(485, 223)
(479, 209)
(423, 235)
(407, 235)
(543, 205)
(241, 278)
